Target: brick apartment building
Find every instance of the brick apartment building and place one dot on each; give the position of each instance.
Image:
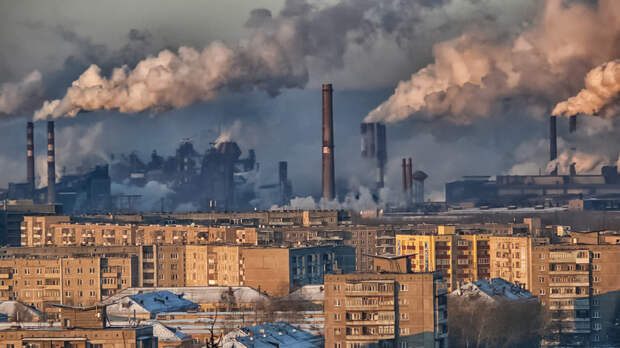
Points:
(468, 258)
(82, 276)
(580, 284)
(385, 310)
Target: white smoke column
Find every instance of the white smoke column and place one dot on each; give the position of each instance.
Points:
(78, 148)
(14, 96)
(150, 195)
(602, 88)
(474, 71)
(269, 61)
(585, 163)
(231, 133)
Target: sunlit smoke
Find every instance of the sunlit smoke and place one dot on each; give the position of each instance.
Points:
(473, 72)
(602, 88)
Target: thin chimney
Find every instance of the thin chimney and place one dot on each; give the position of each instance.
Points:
(553, 142)
(409, 174)
(405, 186)
(30, 158)
(328, 144)
(51, 164)
(572, 124)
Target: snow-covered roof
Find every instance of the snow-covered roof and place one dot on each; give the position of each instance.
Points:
(495, 289)
(312, 293)
(278, 334)
(168, 334)
(199, 294)
(18, 310)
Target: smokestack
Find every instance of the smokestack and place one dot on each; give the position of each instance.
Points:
(51, 164)
(419, 178)
(409, 174)
(381, 155)
(553, 142)
(405, 186)
(328, 144)
(572, 124)
(30, 157)
(283, 180)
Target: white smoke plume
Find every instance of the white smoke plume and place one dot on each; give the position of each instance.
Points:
(602, 88)
(150, 194)
(474, 71)
(15, 96)
(231, 133)
(171, 80)
(585, 163)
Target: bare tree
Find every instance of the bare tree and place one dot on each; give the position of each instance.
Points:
(502, 324)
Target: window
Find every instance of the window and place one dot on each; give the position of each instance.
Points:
(541, 279)
(79, 281)
(542, 268)
(596, 279)
(337, 302)
(337, 331)
(595, 302)
(541, 256)
(597, 326)
(337, 345)
(597, 255)
(403, 344)
(596, 338)
(404, 316)
(542, 291)
(596, 267)
(403, 287)
(337, 316)
(596, 314)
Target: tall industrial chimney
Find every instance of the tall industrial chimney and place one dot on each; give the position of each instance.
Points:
(405, 184)
(30, 158)
(553, 142)
(51, 164)
(283, 182)
(328, 144)
(381, 155)
(409, 174)
(572, 124)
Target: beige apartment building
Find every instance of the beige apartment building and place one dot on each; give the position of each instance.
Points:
(580, 284)
(385, 310)
(468, 258)
(59, 231)
(67, 281)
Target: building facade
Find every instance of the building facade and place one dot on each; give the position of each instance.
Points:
(385, 310)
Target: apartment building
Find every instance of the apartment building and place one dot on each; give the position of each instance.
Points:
(278, 271)
(80, 327)
(37, 230)
(68, 281)
(367, 240)
(463, 258)
(12, 213)
(580, 285)
(59, 231)
(385, 310)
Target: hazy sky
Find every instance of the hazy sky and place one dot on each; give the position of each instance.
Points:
(367, 48)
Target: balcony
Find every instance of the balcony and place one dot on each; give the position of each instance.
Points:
(370, 337)
(5, 287)
(109, 286)
(369, 322)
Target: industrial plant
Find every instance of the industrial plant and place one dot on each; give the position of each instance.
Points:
(217, 180)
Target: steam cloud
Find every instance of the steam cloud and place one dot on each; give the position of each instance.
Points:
(602, 88)
(473, 72)
(15, 96)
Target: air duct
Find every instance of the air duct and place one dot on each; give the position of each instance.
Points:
(328, 179)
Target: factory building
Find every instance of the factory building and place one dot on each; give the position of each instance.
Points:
(531, 190)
